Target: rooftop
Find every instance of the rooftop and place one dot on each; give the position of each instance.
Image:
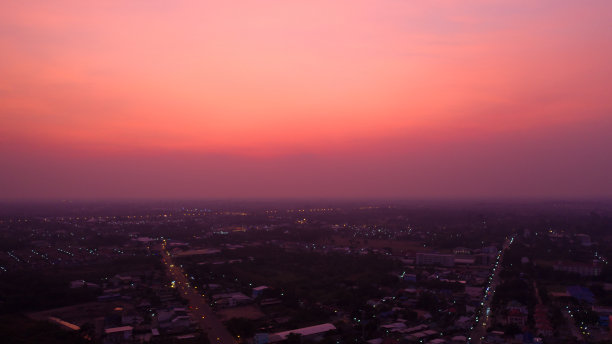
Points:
(307, 331)
(118, 329)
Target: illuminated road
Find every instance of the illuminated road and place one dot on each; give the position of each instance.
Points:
(199, 309)
(569, 318)
(480, 327)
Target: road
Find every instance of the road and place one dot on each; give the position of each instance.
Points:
(480, 327)
(571, 324)
(200, 311)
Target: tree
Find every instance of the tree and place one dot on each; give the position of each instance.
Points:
(512, 329)
(241, 327)
(428, 301)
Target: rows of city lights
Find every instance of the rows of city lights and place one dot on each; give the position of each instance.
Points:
(65, 252)
(582, 326)
(14, 256)
(489, 291)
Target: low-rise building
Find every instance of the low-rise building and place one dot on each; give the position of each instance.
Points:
(313, 333)
(582, 269)
(117, 334)
(435, 259)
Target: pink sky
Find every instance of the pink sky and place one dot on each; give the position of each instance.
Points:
(343, 98)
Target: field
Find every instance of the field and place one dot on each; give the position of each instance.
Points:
(81, 313)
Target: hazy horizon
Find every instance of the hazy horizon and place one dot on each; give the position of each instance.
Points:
(349, 100)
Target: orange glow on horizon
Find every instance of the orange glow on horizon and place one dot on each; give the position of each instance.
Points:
(317, 97)
(249, 77)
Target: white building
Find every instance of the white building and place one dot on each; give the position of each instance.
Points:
(308, 333)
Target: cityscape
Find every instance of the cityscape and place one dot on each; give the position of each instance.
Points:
(339, 272)
(306, 171)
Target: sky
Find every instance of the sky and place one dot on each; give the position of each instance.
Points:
(296, 99)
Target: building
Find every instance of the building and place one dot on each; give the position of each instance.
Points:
(582, 294)
(542, 323)
(258, 291)
(484, 258)
(465, 261)
(515, 305)
(584, 239)
(462, 251)
(516, 317)
(82, 284)
(117, 334)
(517, 313)
(64, 324)
(313, 333)
(459, 340)
(435, 259)
(489, 250)
(421, 336)
(231, 299)
(582, 269)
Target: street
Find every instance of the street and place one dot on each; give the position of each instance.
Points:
(480, 327)
(199, 310)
